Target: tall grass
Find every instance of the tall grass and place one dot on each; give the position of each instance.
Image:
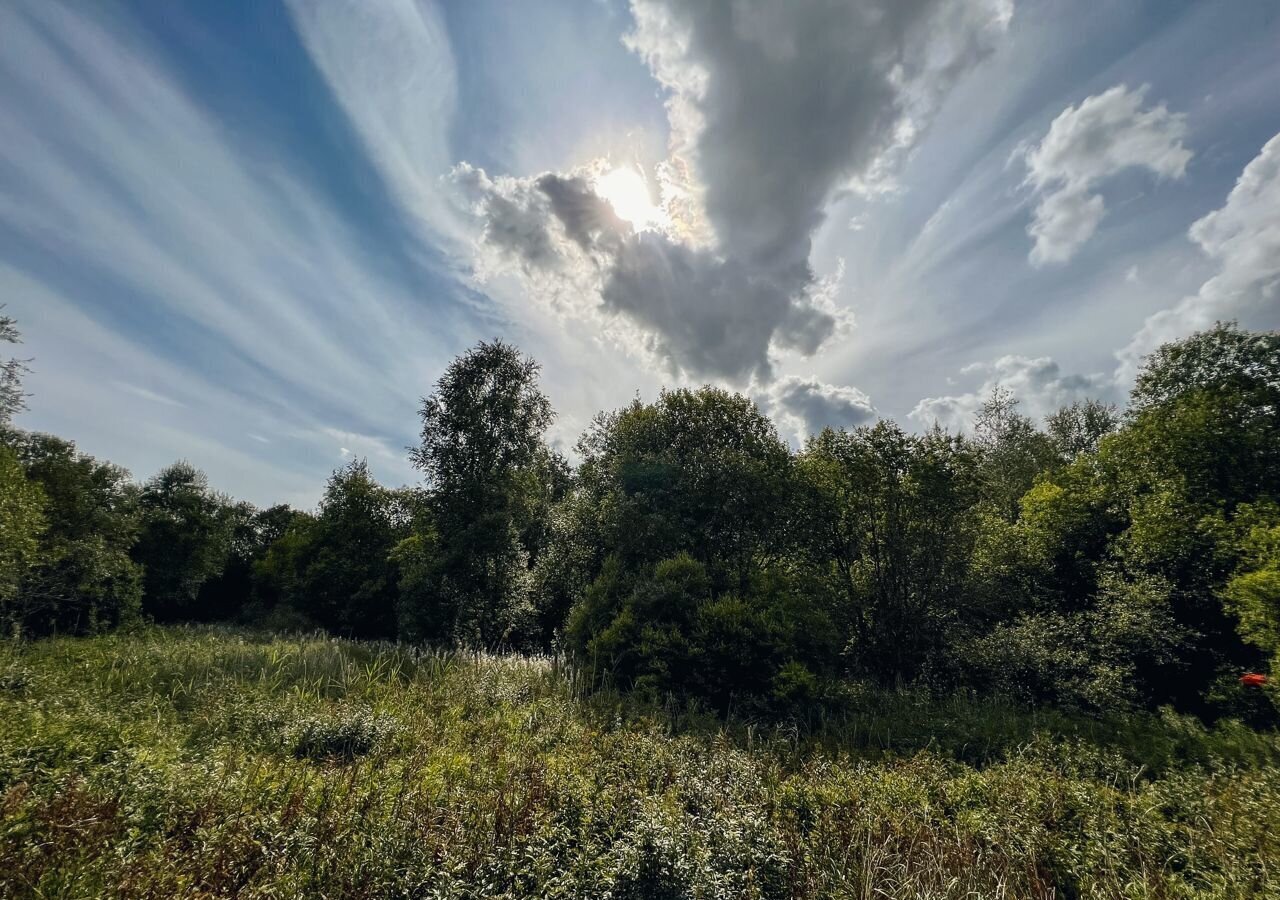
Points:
(203, 763)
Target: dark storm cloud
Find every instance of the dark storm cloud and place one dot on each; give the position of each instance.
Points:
(773, 108)
(703, 313)
(715, 316)
(585, 217)
(795, 99)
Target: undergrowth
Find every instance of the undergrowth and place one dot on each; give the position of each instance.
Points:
(205, 763)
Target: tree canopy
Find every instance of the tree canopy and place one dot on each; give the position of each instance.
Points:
(1101, 560)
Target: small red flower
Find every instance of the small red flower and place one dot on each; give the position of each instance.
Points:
(1253, 679)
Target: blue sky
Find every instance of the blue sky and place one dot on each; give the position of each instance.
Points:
(252, 234)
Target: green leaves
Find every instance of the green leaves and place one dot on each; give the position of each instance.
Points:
(196, 762)
(891, 517)
(490, 484)
(22, 522)
(1253, 592)
(80, 579)
(12, 399)
(184, 541)
(1223, 360)
(485, 420)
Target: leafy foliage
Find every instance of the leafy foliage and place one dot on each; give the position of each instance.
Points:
(1222, 359)
(490, 481)
(1253, 592)
(12, 398)
(21, 524)
(679, 531)
(342, 737)
(82, 579)
(485, 419)
(697, 472)
(228, 594)
(890, 519)
(1103, 563)
(334, 570)
(1080, 427)
(184, 763)
(184, 541)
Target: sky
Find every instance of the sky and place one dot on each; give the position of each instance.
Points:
(252, 234)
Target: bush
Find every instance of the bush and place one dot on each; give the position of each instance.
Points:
(132, 765)
(671, 634)
(343, 736)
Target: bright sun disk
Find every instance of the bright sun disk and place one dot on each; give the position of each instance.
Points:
(627, 192)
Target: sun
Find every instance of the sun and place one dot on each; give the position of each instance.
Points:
(627, 192)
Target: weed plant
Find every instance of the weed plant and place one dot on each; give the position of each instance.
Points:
(212, 763)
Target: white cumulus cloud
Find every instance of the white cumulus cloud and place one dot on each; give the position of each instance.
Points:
(804, 406)
(1243, 238)
(1086, 144)
(1038, 383)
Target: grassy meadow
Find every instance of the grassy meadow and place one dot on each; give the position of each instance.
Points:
(209, 763)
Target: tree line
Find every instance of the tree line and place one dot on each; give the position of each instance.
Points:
(1101, 560)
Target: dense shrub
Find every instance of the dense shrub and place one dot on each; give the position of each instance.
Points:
(339, 737)
(335, 570)
(136, 766)
(21, 525)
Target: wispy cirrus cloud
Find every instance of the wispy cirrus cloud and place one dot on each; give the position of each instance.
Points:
(198, 420)
(391, 68)
(1242, 237)
(246, 235)
(124, 197)
(146, 393)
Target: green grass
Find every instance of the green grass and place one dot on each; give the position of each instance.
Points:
(202, 763)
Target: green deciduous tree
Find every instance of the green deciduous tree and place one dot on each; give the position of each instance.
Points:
(83, 579)
(1252, 593)
(1013, 452)
(1102, 563)
(184, 541)
(22, 522)
(675, 546)
(1163, 501)
(1200, 450)
(12, 399)
(350, 583)
(278, 595)
(1223, 359)
(1080, 427)
(698, 472)
(228, 595)
(335, 570)
(490, 481)
(891, 521)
